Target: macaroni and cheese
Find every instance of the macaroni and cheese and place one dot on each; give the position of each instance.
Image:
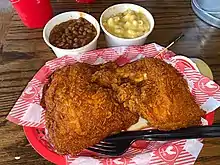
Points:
(129, 24)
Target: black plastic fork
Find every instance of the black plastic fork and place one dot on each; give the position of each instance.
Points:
(118, 144)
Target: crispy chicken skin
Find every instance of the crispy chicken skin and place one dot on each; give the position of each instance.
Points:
(156, 91)
(80, 113)
(105, 76)
(85, 103)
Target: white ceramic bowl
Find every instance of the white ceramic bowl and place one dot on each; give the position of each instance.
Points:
(65, 17)
(119, 8)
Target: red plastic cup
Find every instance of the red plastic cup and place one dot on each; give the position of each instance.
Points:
(33, 13)
(85, 1)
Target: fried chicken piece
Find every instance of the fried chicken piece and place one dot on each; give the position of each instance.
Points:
(80, 113)
(157, 92)
(105, 76)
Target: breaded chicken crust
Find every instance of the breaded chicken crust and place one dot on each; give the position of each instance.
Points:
(79, 113)
(154, 89)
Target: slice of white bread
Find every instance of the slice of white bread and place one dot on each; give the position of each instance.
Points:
(141, 124)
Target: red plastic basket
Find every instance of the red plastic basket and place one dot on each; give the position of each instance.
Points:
(35, 138)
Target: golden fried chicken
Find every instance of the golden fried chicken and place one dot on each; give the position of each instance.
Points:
(156, 91)
(80, 113)
(105, 76)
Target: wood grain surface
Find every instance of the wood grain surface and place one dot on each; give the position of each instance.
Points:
(23, 52)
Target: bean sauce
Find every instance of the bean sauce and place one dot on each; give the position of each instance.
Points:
(72, 34)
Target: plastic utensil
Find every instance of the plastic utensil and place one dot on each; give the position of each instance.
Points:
(118, 144)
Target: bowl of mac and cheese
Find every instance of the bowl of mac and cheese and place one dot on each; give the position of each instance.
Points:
(126, 24)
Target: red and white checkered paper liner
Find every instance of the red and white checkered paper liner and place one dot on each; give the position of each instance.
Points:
(28, 112)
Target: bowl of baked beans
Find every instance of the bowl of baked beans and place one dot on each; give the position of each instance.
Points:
(71, 33)
(126, 24)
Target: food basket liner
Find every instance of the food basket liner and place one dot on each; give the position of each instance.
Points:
(27, 111)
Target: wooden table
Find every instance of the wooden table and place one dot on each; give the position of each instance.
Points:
(23, 52)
